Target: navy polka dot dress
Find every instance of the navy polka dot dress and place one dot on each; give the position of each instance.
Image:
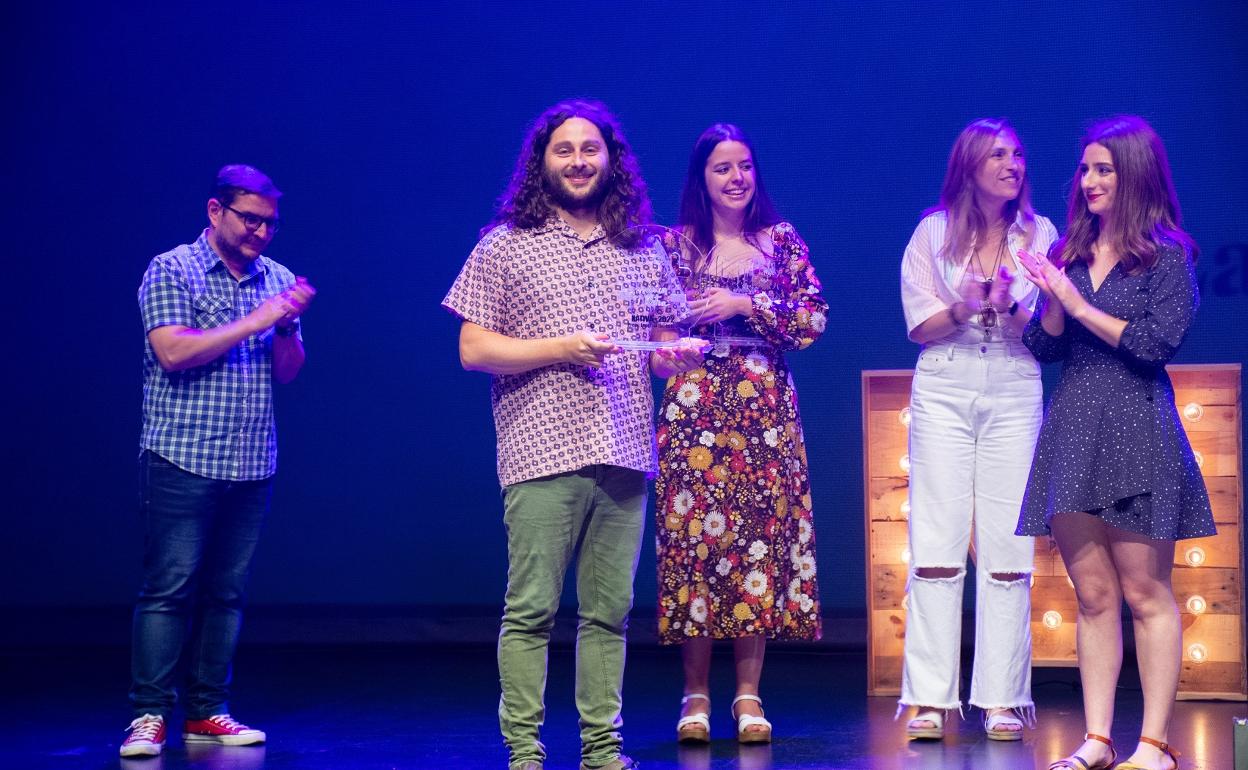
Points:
(1111, 443)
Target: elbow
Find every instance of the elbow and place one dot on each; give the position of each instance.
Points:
(169, 362)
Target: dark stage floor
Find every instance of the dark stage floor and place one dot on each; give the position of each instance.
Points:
(434, 707)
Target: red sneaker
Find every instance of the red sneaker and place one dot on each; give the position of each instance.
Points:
(222, 730)
(146, 738)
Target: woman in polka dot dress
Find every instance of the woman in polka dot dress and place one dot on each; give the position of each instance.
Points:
(1114, 478)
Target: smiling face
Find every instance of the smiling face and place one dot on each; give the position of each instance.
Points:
(730, 179)
(1098, 179)
(999, 178)
(576, 163)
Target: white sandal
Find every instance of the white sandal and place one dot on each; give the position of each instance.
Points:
(934, 733)
(695, 728)
(746, 721)
(1003, 717)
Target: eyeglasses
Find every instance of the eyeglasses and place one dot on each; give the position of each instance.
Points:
(253, 221)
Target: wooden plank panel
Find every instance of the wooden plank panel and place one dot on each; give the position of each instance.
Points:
(1052, 647)
(1212, 681)
(888, 540)
(888, 633)
(1224, 498)
(1222, 636)
(888, 441)
(885, 497)
(1221, 588)
(1211, 419)
(886, 677)
(888, 586)
(1221, 550)
(1053, 593)
(888, 389)
(1219, 452)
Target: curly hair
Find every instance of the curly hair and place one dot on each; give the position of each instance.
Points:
(1145, 208)
(625, 205)
(958, 192)
(695, 202)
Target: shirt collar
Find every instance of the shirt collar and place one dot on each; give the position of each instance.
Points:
(555, 224)
(208, 259)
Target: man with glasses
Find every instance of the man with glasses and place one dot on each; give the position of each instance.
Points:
(222, 322)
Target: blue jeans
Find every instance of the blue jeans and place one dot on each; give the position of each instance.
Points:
(199, 537)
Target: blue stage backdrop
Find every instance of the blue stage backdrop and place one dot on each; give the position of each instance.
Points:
(392, 127)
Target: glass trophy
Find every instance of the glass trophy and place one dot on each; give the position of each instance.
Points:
(741, 269)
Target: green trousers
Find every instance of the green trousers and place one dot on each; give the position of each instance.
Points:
(595, 515)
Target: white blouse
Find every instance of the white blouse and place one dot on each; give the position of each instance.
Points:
(929, 283)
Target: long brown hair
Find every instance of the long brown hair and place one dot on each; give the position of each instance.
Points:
(1145, 206)
(957, 194)
(625, 204)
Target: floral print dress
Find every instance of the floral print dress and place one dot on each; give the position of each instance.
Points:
(736, 544)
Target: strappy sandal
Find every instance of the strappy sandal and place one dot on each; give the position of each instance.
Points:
(1076, 762)
(746, 721)
(695, 728)
(1163, 747)
(1002, 717)
(934, 733)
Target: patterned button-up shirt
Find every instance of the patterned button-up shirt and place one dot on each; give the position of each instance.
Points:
(214, 420)
(548, 282)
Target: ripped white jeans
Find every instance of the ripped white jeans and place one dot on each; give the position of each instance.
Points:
(975, 411)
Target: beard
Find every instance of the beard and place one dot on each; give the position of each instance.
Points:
(569, 200)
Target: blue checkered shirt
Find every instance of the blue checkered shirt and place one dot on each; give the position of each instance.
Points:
(214, 420)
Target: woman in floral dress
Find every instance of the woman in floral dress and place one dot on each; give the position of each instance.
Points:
(736, 547)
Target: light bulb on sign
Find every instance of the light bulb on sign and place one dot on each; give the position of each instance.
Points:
(1200, 459)
(1070, 582)
(1198, 652)
(903, 416)
(1196, 605)
(1194, 556)
(1052, 620)
(904, 463)
(905, 507)
(1194, 411)
(905, 555)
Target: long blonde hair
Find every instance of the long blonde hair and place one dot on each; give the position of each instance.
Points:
(966, 222)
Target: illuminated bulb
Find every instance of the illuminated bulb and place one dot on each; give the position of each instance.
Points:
(1196, 605)
(1200, 459)
(1031, 580)
(905, 555)
(905, 507)
(1195, 556)
(1052, 620)
(1070, 582)
(904, 462)
(904, 416)
(1198, 652)
(905, 602)
(1193, 411)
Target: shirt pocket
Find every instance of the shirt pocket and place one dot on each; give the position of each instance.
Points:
(211, 311)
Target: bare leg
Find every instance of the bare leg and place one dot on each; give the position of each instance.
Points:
(696, 655)
(1085, 550)
(749, 651)
(1144, 567)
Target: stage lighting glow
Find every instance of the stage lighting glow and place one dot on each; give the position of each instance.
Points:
(1198, 653)
(1194, 556)
(1193, 411)
(1052, 620)
(904, 463)
(904, 416)
(1196, 605)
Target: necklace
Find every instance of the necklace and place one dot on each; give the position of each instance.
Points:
(988, 314)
